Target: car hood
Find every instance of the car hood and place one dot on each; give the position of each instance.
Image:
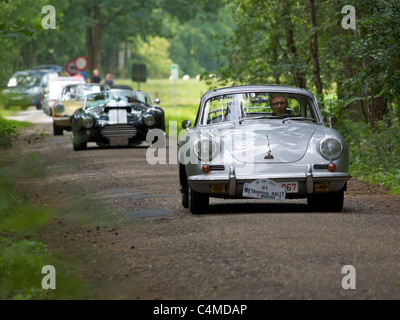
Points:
(72, 105)
(115, 115)
(267, 142)
(18, 90)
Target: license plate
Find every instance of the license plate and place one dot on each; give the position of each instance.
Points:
(291, 187)
(264, 189)
(321, 187)
(119, 141)
(218, 188)
(18, 98)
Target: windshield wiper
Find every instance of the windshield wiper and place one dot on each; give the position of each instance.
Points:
(256, 118)
(298, 119)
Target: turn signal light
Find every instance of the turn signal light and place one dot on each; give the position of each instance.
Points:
(206, 168)
(332, 167)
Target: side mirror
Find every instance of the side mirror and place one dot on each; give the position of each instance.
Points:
(186, 124)
(157, 101)
(332, 121)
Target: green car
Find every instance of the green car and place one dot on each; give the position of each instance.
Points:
(26, 88)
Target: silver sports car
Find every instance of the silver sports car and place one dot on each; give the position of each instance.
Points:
(261, 142)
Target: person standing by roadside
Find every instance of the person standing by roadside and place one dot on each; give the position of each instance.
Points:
(95, 78)
(109, 80)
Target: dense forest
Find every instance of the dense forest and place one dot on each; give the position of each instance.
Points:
(114, 34)
(347, 52)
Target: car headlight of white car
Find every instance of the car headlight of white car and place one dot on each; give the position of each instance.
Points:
(331, 148)
(205, 149)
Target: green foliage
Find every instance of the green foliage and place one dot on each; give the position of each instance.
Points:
(20, 260)
(8, 132)
(20, 269)
(374, 152)
(154, 53)
(195, 44)
(22, 257)
(377, 45)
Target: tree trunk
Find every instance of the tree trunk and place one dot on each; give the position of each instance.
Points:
(98, 33)
(299, 77)
(314, 48)
(93, 40)
(377, 110)
(89, 44)
(275, 58)
(398, 109)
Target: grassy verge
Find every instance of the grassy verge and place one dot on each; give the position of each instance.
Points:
(21, 256)
(9, 131)
(374, 153)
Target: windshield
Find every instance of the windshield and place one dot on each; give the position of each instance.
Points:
(104, 97)
(24, 80)
(258, 105)
(79, 92)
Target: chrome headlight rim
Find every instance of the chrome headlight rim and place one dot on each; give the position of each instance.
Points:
(149, 119)
(59, 108)
(88, 122)
(328, 154)
(197, 148)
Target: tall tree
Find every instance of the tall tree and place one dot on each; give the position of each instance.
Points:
(314, 48)
(298, 74)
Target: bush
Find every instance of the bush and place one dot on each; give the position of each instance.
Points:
(8, 131)
(374, 153)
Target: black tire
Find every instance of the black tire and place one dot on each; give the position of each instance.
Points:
(332, 201)
(185, 200)
(198, 202)
(58, 131)
(39, 104)
(78, 145)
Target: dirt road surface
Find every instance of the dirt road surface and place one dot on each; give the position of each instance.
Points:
(121, 229)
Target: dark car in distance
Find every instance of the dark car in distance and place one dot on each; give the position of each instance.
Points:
(27, 88)
(116, 118)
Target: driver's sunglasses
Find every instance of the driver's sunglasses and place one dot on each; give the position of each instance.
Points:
(282, 103)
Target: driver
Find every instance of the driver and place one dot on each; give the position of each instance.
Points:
(279, 104)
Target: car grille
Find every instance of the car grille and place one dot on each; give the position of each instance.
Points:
(119, 131)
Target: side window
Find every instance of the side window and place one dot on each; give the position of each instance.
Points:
(294, 107)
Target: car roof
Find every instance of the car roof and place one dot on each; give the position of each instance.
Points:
(36, 71)
(51, 67)
(255, 88)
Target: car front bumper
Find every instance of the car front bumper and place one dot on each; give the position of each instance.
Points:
(63, 121)
(234, 183)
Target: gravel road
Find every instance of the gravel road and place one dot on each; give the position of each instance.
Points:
(120, 227)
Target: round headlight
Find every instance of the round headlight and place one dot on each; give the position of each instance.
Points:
(205, 150)
(88, 122)
(331, 148)
(59, 108)
(149, 119)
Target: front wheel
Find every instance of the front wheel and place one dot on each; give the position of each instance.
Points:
(185, 200)
(58, 131)
(198, 202)
(78, 145)
(332, 201)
